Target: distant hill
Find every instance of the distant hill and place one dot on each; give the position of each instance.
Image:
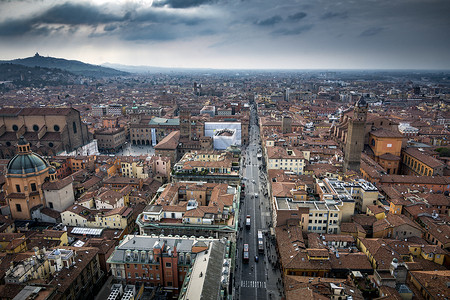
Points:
(23, 76)
(73, 66)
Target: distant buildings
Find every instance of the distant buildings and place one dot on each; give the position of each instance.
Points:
(107, 110)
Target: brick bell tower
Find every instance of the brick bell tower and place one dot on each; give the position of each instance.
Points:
(185, 124)
(355, 136)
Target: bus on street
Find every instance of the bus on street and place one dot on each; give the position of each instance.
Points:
(260, 242)
(246, 255)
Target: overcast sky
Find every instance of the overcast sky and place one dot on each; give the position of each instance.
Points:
(287, 34)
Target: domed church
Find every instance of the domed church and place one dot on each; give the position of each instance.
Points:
(26, 172)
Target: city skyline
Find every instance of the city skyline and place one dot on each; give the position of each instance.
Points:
(254, 34)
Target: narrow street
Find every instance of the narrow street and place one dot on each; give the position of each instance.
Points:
(259, 278)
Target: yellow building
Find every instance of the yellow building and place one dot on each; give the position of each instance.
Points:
(386, 146)
(433, 253)
(13, 242)
(378, 249)
(80, 216)
(116, 218)
(26, 172)
(132, 168)
(415, 162)
(56, 235)
(376, 210)
(396, 206)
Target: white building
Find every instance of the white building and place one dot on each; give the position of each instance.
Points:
(407, 130)
(285, 159)
(59, 193)
(224, 134)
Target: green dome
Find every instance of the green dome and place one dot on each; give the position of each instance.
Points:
(26, 163)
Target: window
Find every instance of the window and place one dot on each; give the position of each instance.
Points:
(168, 265)
(15, 127)
(18, 207)
(33, 187)
(50, 204)
(135, 266)
(56, 128)
(74, 125)
(18, 188)
(157, 276)
(129, 275)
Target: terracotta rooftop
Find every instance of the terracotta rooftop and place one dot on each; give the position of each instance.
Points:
(424, 158)
(170, 142)
(434, 282)
(384, 133)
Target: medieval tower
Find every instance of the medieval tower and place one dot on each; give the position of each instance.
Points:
(355, 136)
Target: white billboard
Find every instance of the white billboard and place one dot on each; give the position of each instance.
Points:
(224, 134)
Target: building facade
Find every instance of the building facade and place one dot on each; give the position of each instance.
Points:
(158, 260)
(110, 139)
(48, 130)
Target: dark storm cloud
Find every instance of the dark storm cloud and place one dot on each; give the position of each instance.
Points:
(145, 24)
(371, 31)
(297, 17)
(65, 14)
(76, 14)
(334, 15)
(270, 21)
(236, 27)
(292, 31)
(164, 17)
(181, 3)
(110, 27)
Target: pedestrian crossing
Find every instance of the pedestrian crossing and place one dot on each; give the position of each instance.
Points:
(253, 284)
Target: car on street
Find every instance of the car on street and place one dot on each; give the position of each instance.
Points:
(247, 221)
(256, 258)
